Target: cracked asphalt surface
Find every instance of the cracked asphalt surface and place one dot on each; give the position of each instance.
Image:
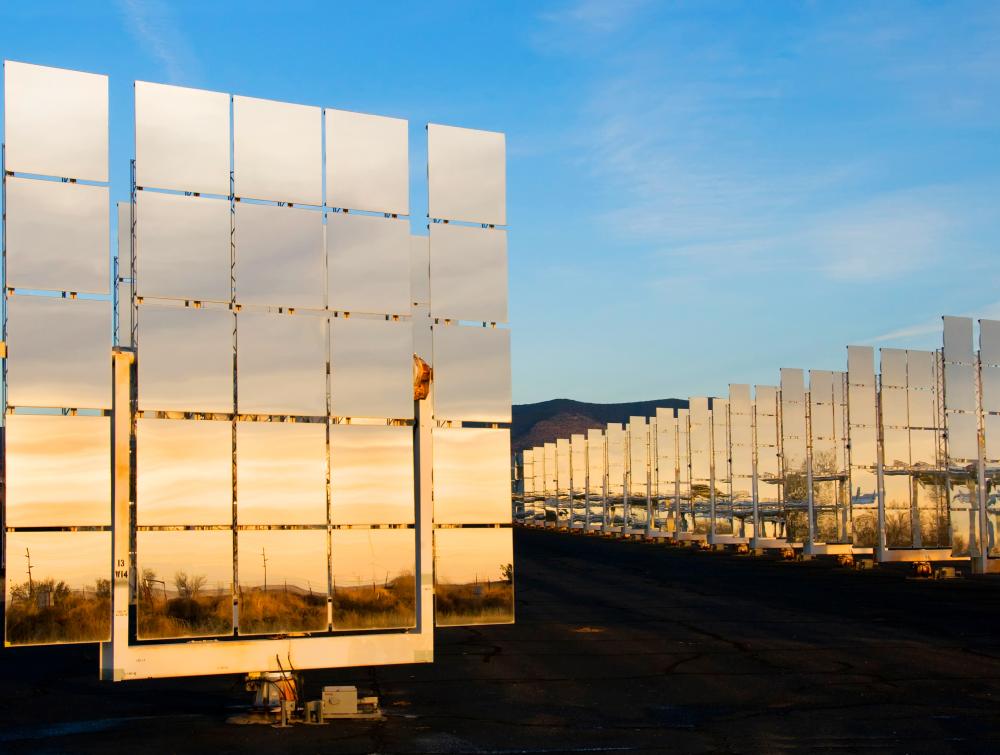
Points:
(618, 647)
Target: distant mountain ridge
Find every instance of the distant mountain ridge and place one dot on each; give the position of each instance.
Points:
(543, 422)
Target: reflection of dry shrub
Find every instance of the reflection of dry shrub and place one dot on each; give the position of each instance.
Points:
(474, 603)
(191, 613)
(386, 606)
(281, 610)
(47, 611)
(796, 526)
(865, 526)
(898, 529)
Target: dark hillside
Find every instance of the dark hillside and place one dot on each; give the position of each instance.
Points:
(545, 421)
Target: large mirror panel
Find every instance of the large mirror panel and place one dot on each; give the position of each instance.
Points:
(57, 236)
(58, 352)
(373, 578)
(184, 584)
(466, 175)
(277, 151)
(371, 474)
(279, 256)
(281, 473)
(58, 587)
(281, 364)
(185, 360)
(55, 122)
(184, 472)
(368, 264)
(58, 471)
(367, 162)
(471, 479)
(181, 138)
(283, 581)
(468, 273)
(472, 374)
(371, 368)
(182, 247)
(473, 576)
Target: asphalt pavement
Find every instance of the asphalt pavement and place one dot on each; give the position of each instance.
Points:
(618, 647)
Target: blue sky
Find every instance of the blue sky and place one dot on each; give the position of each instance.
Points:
(699, 192)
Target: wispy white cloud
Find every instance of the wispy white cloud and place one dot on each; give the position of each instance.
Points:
(154, 27)
(933, 326)
(597, 16)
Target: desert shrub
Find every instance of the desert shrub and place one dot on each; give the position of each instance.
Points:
(48, 611)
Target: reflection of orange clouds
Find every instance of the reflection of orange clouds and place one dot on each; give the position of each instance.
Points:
(282, 364)
(471, 476)
(76, 558)
(371, 474)
(281, 477)
(184, 472)
(361, 557)
(470, 554)
(58, 470)
(295, 557)
(207, 553)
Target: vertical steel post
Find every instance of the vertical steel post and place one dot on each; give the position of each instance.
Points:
(121, 421)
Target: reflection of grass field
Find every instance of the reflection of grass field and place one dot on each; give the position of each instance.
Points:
(491, 603)
(281, 610)
(376, 607)
(47, 611)
(191, 612)
(198, 616)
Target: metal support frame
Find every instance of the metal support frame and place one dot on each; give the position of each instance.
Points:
(122, 659)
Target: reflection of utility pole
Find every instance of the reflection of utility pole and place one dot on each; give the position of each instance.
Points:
(31, 585)
(263, 557)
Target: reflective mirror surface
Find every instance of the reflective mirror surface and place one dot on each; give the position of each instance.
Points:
(368, 261)
(58, 471)
(181, 138)
(367, 162)
(183, 472)
(371, 368)
(57, 587)
(371, 475)
(473, 576)
(55, 122)
(58, 352)
(281, 364)
(989, 341)
(283, 581)
(186, 359)
(468, 273)
(958, 339)
(279, 256)
(277, 151)
(57, 236)
(466, 175)
(471, 476)
(182, 247)
(184, 585)
(472, 374)
(373, 578)
(281, 475)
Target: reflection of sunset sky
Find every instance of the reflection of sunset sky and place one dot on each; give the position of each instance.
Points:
(464, 555)
(57, 470)
(471, 475)
(363, 556)
(297, 557)
(184, 472)
(77, 558)
(207, 553)
(281, 473)
(371, 474)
